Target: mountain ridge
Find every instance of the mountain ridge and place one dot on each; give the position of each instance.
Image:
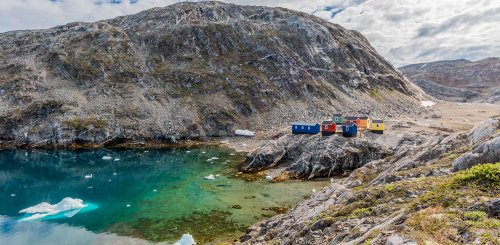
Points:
(187, 71)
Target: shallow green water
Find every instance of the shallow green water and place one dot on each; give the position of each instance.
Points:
(141, 196)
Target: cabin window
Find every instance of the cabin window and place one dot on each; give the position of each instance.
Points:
(308, 128)
(302, 127)
(378, 126)
(295, 127)
(347, 128)
(336, 119)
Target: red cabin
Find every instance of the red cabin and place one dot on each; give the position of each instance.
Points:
(328, 128)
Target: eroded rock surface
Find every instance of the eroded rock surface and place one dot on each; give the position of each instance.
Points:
(306, 156)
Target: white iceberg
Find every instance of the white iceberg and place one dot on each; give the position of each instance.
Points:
(45, 209)
(186, 239)
(427, 103)
(89, 176)
(241, 132)
(210, 177)
(106, 158)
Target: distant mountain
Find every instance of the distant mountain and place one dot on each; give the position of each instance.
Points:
(188, 70)
(458, 80)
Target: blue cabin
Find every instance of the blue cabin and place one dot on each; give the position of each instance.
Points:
(305, 128)
(350, 130)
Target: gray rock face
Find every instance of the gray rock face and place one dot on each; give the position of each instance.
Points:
(484, 130)
(486, 152)
(185, 71)
(313, 156)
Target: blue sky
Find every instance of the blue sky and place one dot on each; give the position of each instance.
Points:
(403, 31)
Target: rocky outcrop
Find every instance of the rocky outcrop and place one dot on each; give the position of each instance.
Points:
(486, 152)
(458, 80)
(306, 156)
(484, 130)
(189, 70)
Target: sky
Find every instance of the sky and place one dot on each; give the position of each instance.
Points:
(403, 31)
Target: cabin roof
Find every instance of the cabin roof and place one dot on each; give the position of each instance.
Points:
(377, 121)
(304, 124)
(327, 122)
(349, 124)
(364, 117)
(351, 118)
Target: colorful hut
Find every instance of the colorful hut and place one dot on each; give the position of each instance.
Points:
(350, 130)
(305, 128)
(328, 128)
(338, 119)
(351, 119)
(365, 122)
(377, 126)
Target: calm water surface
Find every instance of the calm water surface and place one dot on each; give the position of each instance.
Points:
(141, 196)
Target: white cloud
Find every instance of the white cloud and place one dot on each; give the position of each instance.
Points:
(403, 31)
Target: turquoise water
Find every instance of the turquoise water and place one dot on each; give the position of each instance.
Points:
(137, 196)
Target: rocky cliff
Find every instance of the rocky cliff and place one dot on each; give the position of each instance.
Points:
(458, 80)
(187, 71)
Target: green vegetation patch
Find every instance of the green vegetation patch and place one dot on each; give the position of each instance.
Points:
(84, 123)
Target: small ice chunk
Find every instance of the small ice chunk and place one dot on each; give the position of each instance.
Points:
(117, 159)
(186, 239)
(12, 195)
(146, 151)
(232, 154)
(269, 177)
(247, 133)
(45, 209)
(106, 158)
(114, 173)
(89, 176)
(155, 190)
(128, 205)
(203, 152)
(188, 151)
(427, 103)
(210, 177)
(109, 180)
(213, 158)
(217, 175)
(90, 187)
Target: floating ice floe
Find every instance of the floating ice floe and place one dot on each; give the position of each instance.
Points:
(213, 158)
(12, 195)
(106, 158)
(128, 205)
(155, 190)
(210, 177)
(247, 133)
(117, 159)
(114, 173)
(45, 209)
(203, 152)
(89, 176)
(188, 151)
(186, 239)
(427, 103)
(90, 187)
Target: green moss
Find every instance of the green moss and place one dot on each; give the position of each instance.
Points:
(483, 176)
(360, 212)
(389, 187)
(475, 215)
(83, 123)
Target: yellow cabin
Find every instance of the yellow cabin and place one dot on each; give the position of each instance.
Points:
(377, 126)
